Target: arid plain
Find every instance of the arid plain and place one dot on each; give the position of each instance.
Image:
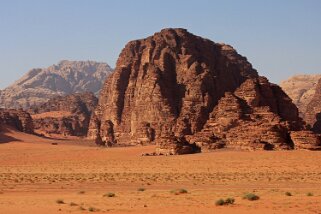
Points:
(68, 178)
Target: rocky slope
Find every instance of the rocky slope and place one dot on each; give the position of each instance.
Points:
(301, 89)
(64, 115)
(258, 115)
(169, 87)
(68, 77)
(17, 119)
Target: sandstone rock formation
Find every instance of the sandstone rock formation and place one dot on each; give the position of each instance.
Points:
(313, 112)
(17, 119)
(301, 89)
(68, 77)
(258, 115)
(64, 115)
(165, 85)
(306, 140)
(184, 92)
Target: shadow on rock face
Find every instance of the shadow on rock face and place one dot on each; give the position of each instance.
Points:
(317, 125)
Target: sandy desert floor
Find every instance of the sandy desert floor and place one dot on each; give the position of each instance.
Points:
(38, 177)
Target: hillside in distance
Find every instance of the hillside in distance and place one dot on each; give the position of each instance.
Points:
(67, 77)
(301, 89)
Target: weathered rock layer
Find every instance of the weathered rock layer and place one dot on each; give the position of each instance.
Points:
(18, 119)
(258, 115)
(64, 115)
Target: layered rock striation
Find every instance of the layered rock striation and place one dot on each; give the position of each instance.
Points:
(258, 115)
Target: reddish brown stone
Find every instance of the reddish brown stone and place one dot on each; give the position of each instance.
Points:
(258, 115)
(17, 119)
(306, 140)
(170, 81)
(184, 93)
(78, 108)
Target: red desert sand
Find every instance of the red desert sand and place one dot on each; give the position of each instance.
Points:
(39, 177)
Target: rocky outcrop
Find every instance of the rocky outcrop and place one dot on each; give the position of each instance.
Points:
(306, 140)
(17, 119)
(301, 89)
(258, 115)
(186, 93)
(313, 112)
(166, 85)
(173, 145)
(68, 77)
(64, 115)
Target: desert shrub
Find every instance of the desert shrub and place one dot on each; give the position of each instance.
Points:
(110, 195)
(72, 204)
(92, 209)
(141, 189)
(179, 191)
(288, 194)
(251, 197)
(229, 201)
(221, 202)
(309, 194)
(82, 208)
(60, 201)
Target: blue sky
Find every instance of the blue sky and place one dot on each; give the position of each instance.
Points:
(279, 37)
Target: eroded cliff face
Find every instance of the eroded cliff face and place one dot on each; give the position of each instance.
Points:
(166, 85)
(313, 113)
(64, 115)
(258, 115)
(17, 119)
(186, 93)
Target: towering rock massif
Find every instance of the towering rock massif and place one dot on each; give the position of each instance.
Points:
(174, 87)
(68, 77)
(18, 119)
(313, 112)
(167, 84)
(64, 115)
(301, 89)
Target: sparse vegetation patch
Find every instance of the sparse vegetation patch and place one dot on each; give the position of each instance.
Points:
(221, 202)
(60, 201)
(179, 191)
(109, 195)
(251, 197)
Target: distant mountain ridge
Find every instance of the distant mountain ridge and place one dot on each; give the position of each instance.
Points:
(67, 77)
(301, 89)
